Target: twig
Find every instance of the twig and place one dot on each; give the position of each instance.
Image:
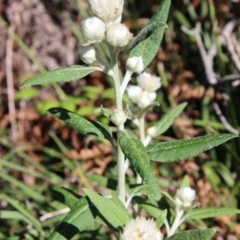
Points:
(227, 39)
(207, 58)
(223, 119)
(53, 214)
(231, 77)
(10, 88)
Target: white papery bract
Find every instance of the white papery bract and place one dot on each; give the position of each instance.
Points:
(93, 30)
(110, 11)
(149, 82)
(134, 93)
(118, 35)
(141, 229)
(185, 197)
(147, 99)
(135, 64)
(88, 54)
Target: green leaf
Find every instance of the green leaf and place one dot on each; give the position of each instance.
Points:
(203, 213)
(106, 112)
(142, 35)
(65, 74)
(82, 124)
(203, 234)
(117, 201)
(167, 120)
(149, 206)
(103, 181)
(78, 219)
(26, 94)
(183, 149)
(27, 216)
(65, 196)
(109, 210)
(160, 220)
(25, 188)
(142, 189)
(185, 182)
(150, 46)
(5, 214)
(135, 152)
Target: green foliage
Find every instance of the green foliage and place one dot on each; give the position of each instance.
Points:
(84, 212)
(161, 218)
(111, 211)
(203, 234)
(167, 120)
(65, 74)
(82, 124)
(136, 154)
(203, 213)
(183, 149)
(148, 48)
(78, 219)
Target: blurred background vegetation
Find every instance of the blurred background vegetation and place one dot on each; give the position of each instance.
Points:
(38, 152)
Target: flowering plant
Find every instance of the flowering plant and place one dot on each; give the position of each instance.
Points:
(120, 211)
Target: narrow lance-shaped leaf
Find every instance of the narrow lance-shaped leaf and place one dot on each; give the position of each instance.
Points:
(197, 234)
(77, 220)
(167, 120)
(183, 149)
(143, 34)
(65, 74)
(149, 47)
(113, 213)
(65, 196)
(160, 220)
(135, 152)
(203, 213)
(83, 125)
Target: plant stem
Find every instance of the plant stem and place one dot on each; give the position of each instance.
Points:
(142, 137)
(125, 81)
(177, 222)
(120, 155)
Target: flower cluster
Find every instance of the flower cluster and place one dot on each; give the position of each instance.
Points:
(185, 197)
(141, 229)
(105, 26)
(145, 93)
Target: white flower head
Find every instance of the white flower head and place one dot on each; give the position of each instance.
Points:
(88, 54)
(146, 99)
(184, 197)
(141, 229)
(110, 11)
(149, 82)
(135, 64)
(134, 93)
(93, 30)
(118, 35)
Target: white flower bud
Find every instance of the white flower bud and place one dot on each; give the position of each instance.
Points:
(185, 197)
(118, 35)
(152, 131)
(141, 228)
(110, 11)
(88, 54)
(134, 93)
(93, 29)
(118, 117)
(135, 64)
(149, 82)
(147, 99)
